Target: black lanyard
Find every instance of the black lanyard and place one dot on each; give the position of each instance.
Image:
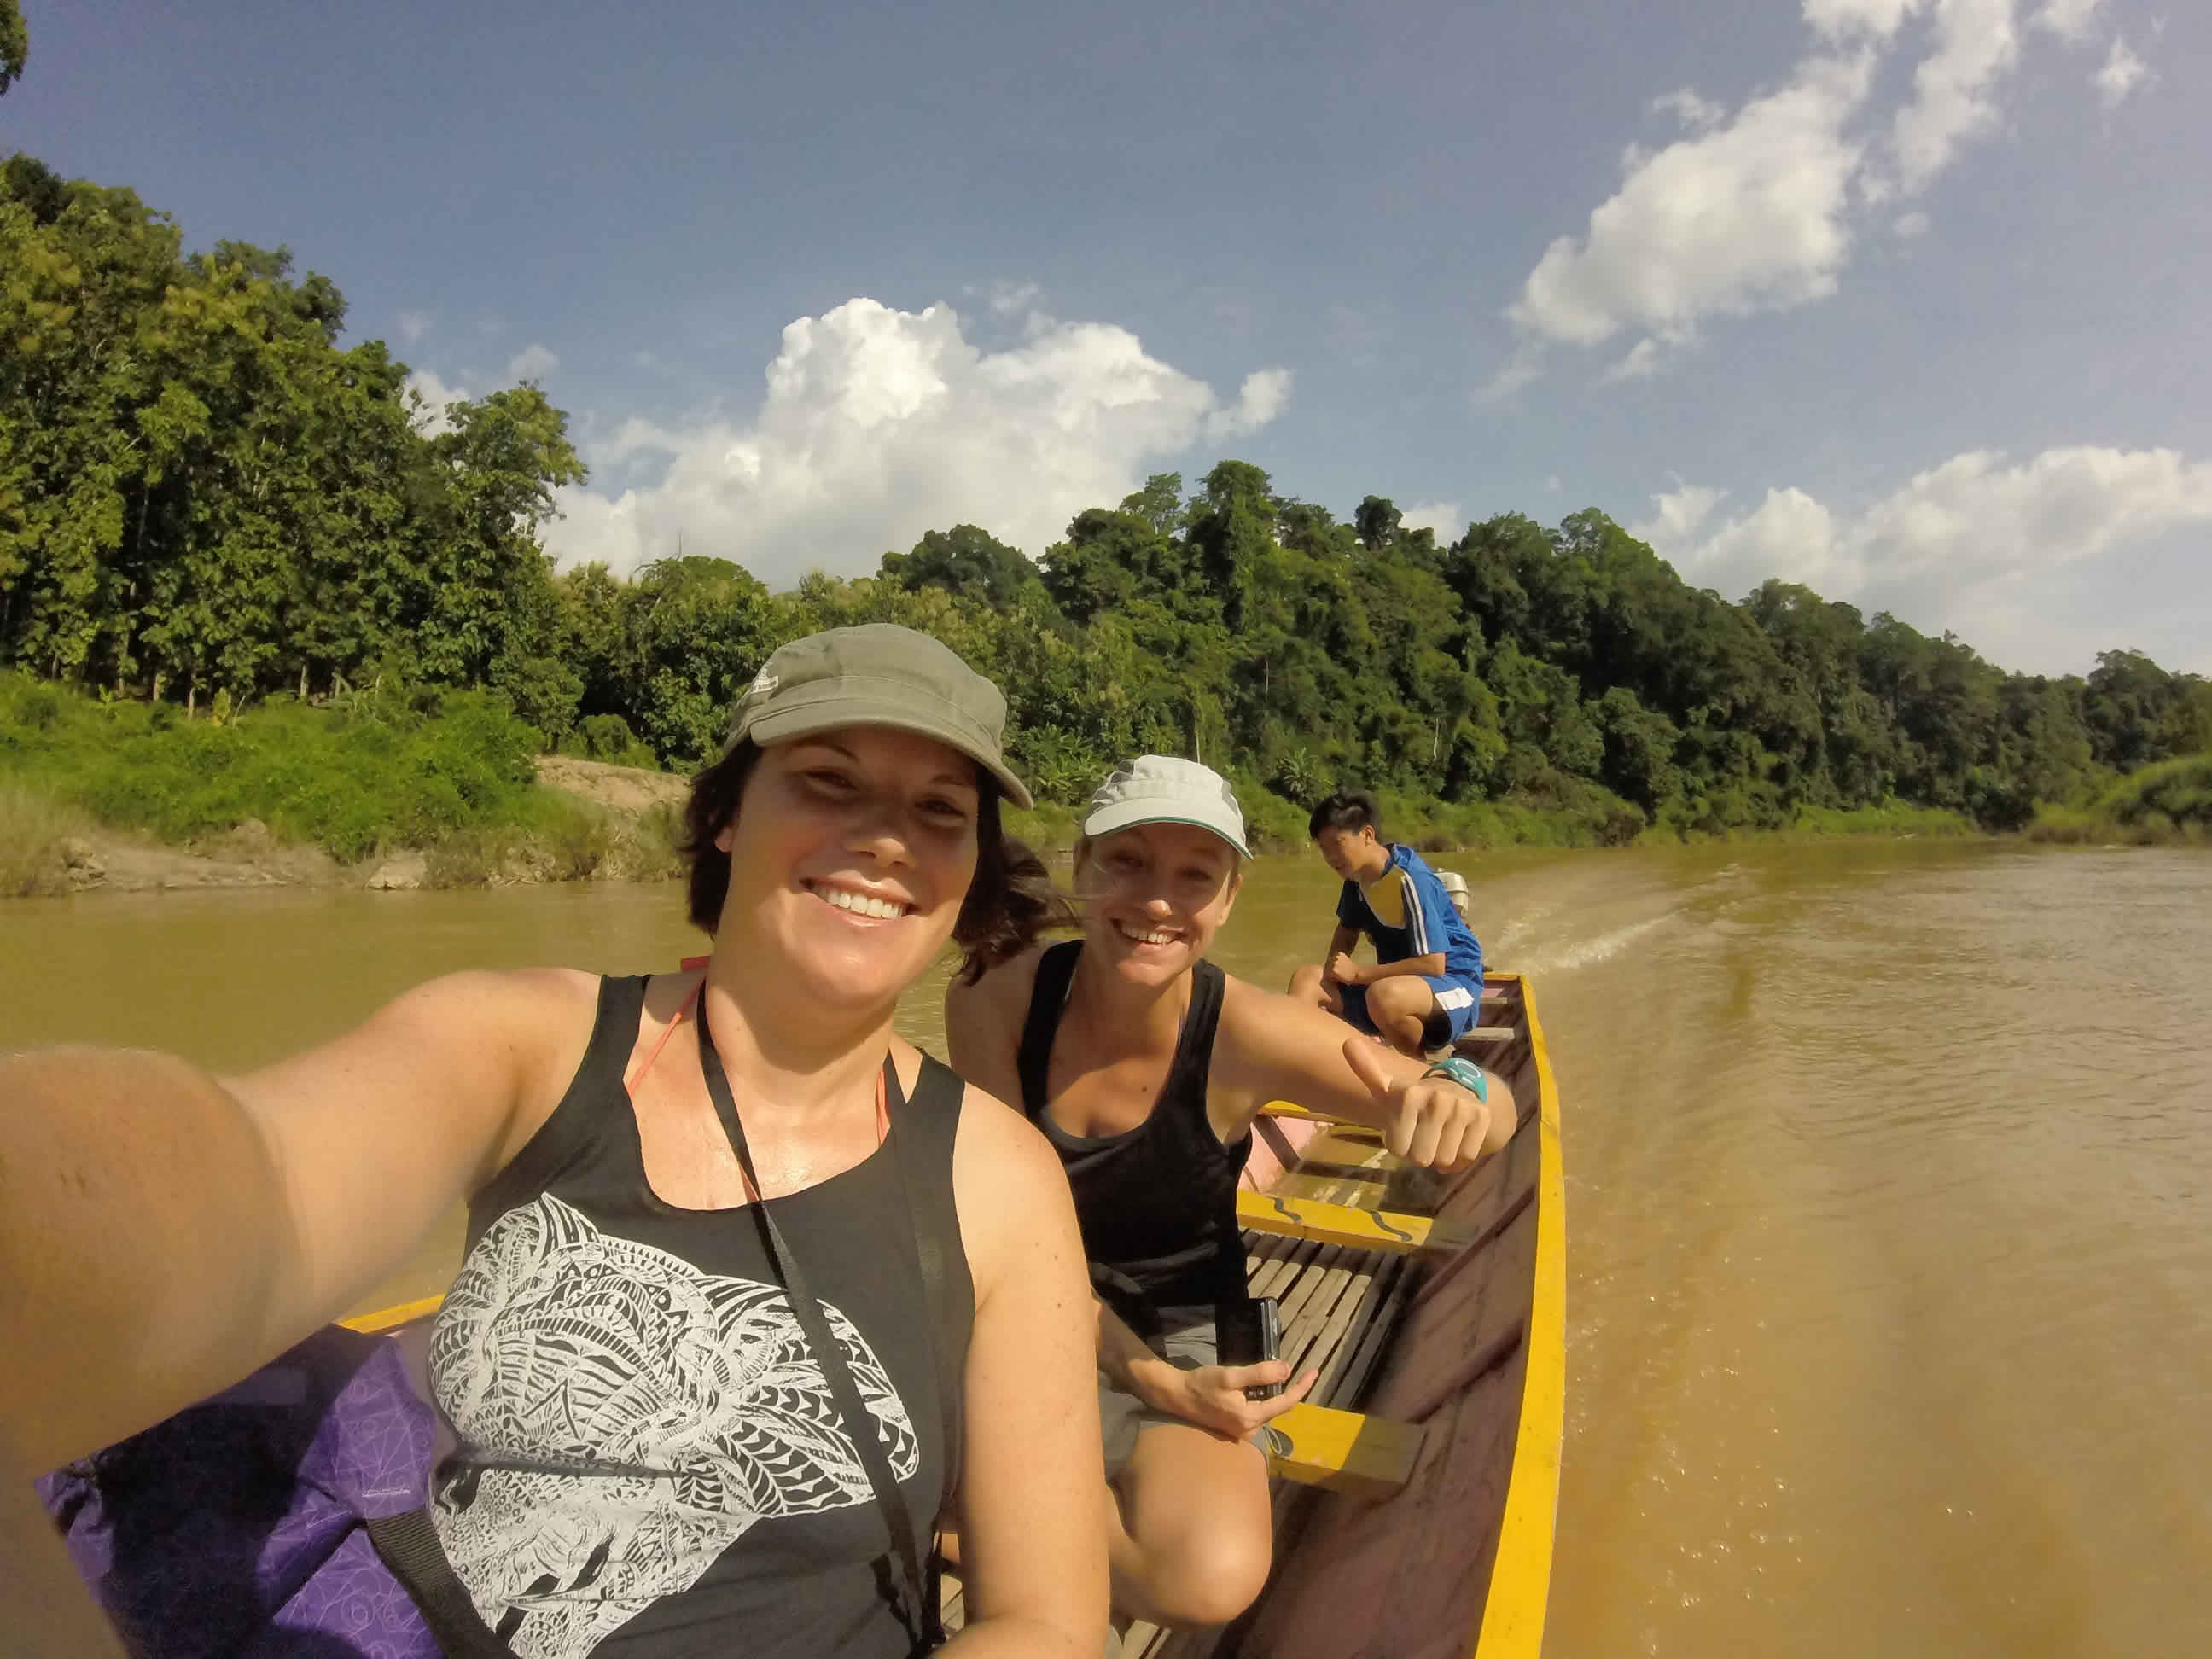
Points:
(916, 1610)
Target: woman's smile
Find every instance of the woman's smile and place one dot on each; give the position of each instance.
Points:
(861, 903)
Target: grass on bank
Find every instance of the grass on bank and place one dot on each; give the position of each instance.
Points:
(1273, 825)
(451, 775)
(2168, 803)
(34, 828)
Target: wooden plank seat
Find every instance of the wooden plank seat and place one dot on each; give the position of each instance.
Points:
(1342, 1224)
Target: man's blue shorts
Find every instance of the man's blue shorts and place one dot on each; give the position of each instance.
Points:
(1458, 1005)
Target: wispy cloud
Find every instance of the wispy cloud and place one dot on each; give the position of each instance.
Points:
(533, 362)
(1644, 360)
(1953, 88)
(1757, 209)
(2069, 20)
(413, 325)
(1264, 395)
(2122, 73)
(1693, 111)
(1845, 20)
(1523, 368)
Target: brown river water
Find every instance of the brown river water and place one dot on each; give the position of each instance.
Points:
(1889, 1178)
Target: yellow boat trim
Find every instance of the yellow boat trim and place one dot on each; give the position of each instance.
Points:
(386, 1319)
(1291, 1109)
(1521, 1578)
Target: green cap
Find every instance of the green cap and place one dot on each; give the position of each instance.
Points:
(877, 674)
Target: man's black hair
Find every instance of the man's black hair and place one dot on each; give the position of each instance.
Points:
(1351, 812)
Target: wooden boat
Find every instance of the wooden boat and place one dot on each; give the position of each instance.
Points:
(1417, 1486)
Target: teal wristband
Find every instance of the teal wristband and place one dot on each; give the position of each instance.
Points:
(1465, 1073)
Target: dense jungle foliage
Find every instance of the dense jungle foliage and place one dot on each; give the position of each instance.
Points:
(205, 500)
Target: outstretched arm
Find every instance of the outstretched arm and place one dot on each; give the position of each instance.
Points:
(163, 1233)
(1033, 1534)
(1281, 1049)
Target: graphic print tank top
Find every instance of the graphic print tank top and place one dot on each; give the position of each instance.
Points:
(650, 1460)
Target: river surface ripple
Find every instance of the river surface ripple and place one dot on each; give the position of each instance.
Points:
(1890, 1318)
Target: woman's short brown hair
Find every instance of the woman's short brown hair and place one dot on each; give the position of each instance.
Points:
(1010, 903)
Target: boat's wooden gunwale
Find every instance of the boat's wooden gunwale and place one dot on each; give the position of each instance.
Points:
(1459, 1560)
(1521, 1576)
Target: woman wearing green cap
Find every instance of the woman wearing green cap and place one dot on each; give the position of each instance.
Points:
(751, 1282)
(1144, 1065)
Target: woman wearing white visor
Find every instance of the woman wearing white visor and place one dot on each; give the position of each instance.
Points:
(1144, 1065)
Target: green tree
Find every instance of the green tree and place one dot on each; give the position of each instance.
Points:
(1377, 522)
(1159, 503)
(14, 44)
(963, 560)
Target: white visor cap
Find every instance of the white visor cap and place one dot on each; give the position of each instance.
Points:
(1162, 789)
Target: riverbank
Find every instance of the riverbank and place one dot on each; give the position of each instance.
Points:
(389, 788)
(607, 823)
(611, 823)
(413, 790)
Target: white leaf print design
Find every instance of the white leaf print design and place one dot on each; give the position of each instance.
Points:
(559, 1343)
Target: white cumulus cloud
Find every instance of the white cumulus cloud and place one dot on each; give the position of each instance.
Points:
(2121, 71)
(879, 424)
(1962, 545)
(533, 362)
(1747, 217)
(1445, 517)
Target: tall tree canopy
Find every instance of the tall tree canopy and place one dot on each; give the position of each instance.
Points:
(202, 490)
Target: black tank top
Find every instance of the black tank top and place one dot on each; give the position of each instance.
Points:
(1157, 1204)
(651, 1461)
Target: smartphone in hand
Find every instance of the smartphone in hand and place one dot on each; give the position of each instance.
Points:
(1248, 1331)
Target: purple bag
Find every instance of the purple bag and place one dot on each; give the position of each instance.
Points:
(240, 1526)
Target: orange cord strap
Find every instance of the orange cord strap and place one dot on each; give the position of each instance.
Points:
(630, 1082)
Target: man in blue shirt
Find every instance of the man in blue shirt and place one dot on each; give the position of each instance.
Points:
(1425, 988)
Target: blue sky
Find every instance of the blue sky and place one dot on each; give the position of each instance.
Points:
(1904, 298)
